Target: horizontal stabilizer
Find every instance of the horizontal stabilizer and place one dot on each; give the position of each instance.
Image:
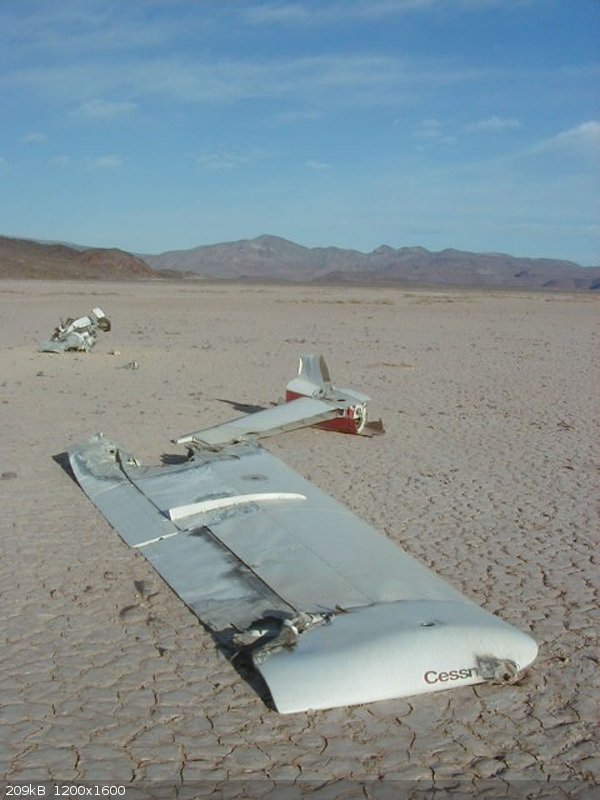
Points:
(300, 413)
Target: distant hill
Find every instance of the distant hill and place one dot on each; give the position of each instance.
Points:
(21, 258)
(263, 257)
(273, 258)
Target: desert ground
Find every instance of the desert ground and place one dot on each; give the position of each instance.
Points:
(487, 472)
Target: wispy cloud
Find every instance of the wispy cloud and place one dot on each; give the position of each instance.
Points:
(343, 79)
(61, 161)
(93, 26)
(432, 131)
(35, 136)
(89, 27)
(298, 13)
(110, 161)
(220, 161)
(103, 109)
(318, 166)
(582, 140)
(494, 124)
(428, 129)
(229, 81)
(227, 159)
(294, 117)
(279, 12)
(104, 162)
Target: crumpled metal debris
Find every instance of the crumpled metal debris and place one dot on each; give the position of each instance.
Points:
(498, 670)
(77, 334)
(287, 637)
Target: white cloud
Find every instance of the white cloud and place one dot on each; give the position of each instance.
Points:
(432, 131)
(293, 117)
(61, 161)
(586, 135)
(279, 12)
(226, 159)
(319, 166)
(104, 162)
(87, 27)
(582, 140)
(35, 136)
(348, 79)
(76, 27)
(232, 80)
(219, 161)
(428, 129)
(494, 123)
(102, 109)
(298, 13)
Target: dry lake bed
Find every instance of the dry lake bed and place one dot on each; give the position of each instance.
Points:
(487, 472)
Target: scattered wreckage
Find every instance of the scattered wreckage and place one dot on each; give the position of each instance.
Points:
(331, 612)
(77, 334)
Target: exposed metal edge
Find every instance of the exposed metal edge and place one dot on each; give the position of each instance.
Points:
(98, 466)
(157, 539)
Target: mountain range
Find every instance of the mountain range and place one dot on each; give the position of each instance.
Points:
(279, 259)
(271, 258)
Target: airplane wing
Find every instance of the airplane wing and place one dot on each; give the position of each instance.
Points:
(333, 612)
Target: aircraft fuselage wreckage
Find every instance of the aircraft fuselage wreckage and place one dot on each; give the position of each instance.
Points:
(77, 334)
(332, 612)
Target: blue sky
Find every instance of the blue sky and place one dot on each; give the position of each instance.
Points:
(164, 124)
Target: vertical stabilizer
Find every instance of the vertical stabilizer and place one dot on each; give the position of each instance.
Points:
(313, 377)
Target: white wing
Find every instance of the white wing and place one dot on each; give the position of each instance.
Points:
(338, 614)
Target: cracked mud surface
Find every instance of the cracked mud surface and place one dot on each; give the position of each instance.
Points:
(488, 473)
